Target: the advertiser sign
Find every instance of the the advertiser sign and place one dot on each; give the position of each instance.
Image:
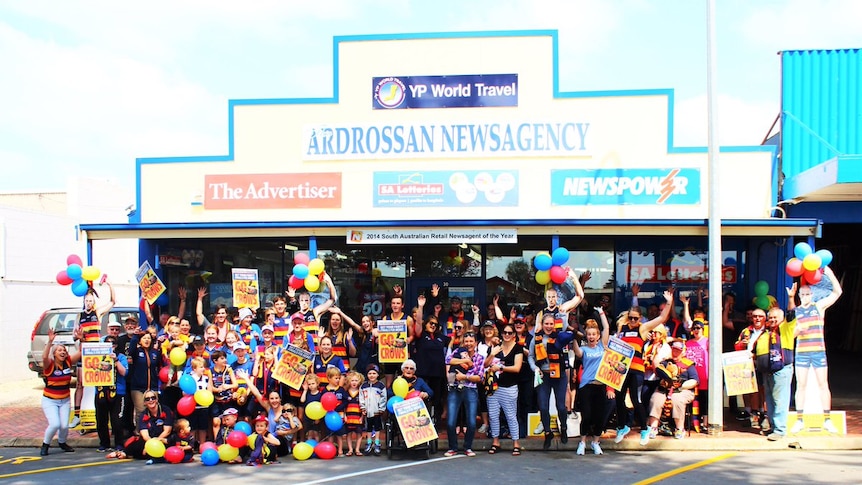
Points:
(678, 273)
(273, 191)
(467, 188)
(679, 186)
(462, 91)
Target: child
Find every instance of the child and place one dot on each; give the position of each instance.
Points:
(200, 420)
(228, 422)
(311, 393)
(353, 413)
(182, 437)
(333, 374)
(372, 401)
(262, 453)
(288, 425)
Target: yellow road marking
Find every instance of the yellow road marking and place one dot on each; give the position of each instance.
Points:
(66, 467)
(677, 471)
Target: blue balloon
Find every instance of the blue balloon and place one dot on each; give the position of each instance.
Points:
(333, 421)
(80, 287)
(312, 443)
(187, 384)
(244, 427)
(542, 262)
(800, 250)
(74, 271)
(825, 257)
(392, 402)
(560, 256)
(209, 457)
(300, 271)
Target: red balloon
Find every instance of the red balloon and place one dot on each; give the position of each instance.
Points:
(174, 454)
(300, 258)
(325, 450)
(295, 282)
(74, 259)
(329, 401)
(453, 253)
(794, 267)
(237, 439)
(206, 445)
(164, 374)
(558, 274)
(813, 277)
(63, 278)
(412, 394)
(362, 268)
(186, 405)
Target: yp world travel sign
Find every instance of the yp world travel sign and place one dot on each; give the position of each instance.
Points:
(461, 91)
(646, 186)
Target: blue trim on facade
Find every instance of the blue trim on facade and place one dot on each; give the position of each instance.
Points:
(830, 212)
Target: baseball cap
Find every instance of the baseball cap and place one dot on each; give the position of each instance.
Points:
(267, 327)
(115, 324)
(230, 411)
(239, 345)
(245, 313)
(197, 340)
(519, 318)
(455, 298)
(677, 344)
(297, 316)
(372, 367)
(697, 324)
(488, 323)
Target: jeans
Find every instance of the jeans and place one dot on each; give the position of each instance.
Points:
(57, 413)
(469, 396)
(543, 394)
(634, 386)
(776, 390)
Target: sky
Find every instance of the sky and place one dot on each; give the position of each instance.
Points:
(86, 87)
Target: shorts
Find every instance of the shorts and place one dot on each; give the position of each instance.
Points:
(810, 359)
(354, 428)
(218, 407)
(374, 423)
(391, 369)
(309, 425)
(200, 419)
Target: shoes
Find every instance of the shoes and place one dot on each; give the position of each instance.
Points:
(450, 453)
(679, 434)
(44, 450)
(483, 429)
(149, 462)
(797, 426)
(65, 447)
(764, 422)
(581, 448)
(564, 435)
(75, 422)
(743, 416)
(621, 434)
(828, 426)
(597, 449)
(470, 453)
(774, 436)
(539, 429)
(103, 449)
(250, 463)
(368, 450)
(653, 433)
(377, 450)
(547, 444)
(645, 434)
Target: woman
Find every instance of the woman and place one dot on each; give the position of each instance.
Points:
(430, 357)
(144, 365)
(466, 395)
(656, 351)
(221, 320)
(325, 359)
(57, 368)
(408, 373)
(490, 339)
(249, 332)
(548, 359)
(274, 408)
(526, 394)
(593, 395)
(365, 342)
(506, 359)
(342, 341)
(154, 423)
(109, 401)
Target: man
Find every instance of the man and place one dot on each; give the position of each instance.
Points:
(752, 414)
(811, 349)
(678, 386)
(396, 305)
(776, 379)
(455, 313)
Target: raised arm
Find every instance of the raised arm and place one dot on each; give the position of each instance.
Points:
(419, 322)
(832, 297)
(605, 326)
(319, 309)
(199, 306)
(102, 310)
(182, 294)
(686, 313)
(579, 292)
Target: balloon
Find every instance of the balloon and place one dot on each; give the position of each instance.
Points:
(63, 278)
(295, 282)
(560, 256)
(300, 271)
(312, 284)
(186, 405)
(762, 302)
(362, 268)
(209, 457)
(825, 257)
(325, 450)
(412, 394)
(227, 452)
(79, 287)
(208, 445)
(315, 266)
(392, 402)
(187, 384)
(730, 261)
(314, 410)
(761, 288)
(558, 274)
(811, 262)
(329, 401)
(74, 271)
(543, 262)
(90, 273)
(251, 441)
(178, 356)
(543, 277)
(400, 387)
(154, 448)
(204, 397)
(174, 454)
(302, 451)
(237, 439)
(457, 260)
(801, 250)
(333, 421)
(794, 267)
(243, 427)
(73, 259)
(164, 374)
(453, 253)
(300, 258)
(813, 277)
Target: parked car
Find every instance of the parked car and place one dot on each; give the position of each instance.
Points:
(63, 321)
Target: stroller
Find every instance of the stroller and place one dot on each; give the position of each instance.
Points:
(395, 441)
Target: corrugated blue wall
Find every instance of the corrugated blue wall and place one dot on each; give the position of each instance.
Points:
(821, 106)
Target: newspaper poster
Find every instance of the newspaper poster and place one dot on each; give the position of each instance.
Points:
(739, 375)
(150, 284)
(615, 364)
(414, 421)
(97, 365)
(392, 341)
(293, 366)
(246, 288)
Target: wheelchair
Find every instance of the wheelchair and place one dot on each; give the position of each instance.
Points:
(395, 443)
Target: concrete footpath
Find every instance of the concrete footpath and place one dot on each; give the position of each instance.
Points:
(22, 424)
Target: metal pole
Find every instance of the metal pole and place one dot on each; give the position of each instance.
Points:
(716, 395)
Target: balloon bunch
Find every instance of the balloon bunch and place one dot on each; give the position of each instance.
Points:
(308, 448)
(77, 275)
(454, 258)
(325, 409)
(762, 298)
(306, 272)
(550, 266)
(807, 263)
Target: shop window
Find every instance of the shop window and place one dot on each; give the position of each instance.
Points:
(453, 261)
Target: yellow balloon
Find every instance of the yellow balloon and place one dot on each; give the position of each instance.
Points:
(203, 397)
(155, 448)
(90, 273)
(315, 266)
(400, 387)
(312, 283)
(251, 439)
(314, 410)
(227, 452)
(811, 262)
(543, 277)
(302, 451)
(178, 356)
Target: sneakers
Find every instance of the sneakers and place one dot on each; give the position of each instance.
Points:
(645, 434)
(798, 426)
(65, 447)
(743, 416)
(470, 453)
(76, 420)
(450, 453)
(828, 426)
(653, 433)
(149, 462)
(44, 450)
(368, 449)
(377, 449)
(581, 448)
(774, 436)
(597, 449)
(483, 429)
(539, 429)
(621, 434)
(679, 434)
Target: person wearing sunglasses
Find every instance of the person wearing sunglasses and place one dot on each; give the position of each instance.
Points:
(506, 359)
(429, 352)
(753, 414)
(548, 360)
(155, 423)
(466, 393)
